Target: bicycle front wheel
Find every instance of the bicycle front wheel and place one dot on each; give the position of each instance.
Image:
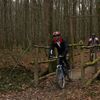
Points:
(60, 78)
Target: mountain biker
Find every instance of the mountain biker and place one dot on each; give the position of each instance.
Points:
(62, 49)
(93, 41)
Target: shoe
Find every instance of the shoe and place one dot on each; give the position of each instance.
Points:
(69, 80)
(69, 72)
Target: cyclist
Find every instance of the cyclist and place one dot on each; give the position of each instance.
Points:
(93, 41)
(62, 49)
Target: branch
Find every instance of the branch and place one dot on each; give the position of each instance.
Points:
(91, 80)
(46, 61)
(91, 63)
(46, 76)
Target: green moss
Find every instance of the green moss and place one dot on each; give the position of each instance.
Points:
(15, 79)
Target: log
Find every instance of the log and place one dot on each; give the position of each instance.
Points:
(91, 80)
(70, 45)
(46, 61)
(46, 76)
(91, 63)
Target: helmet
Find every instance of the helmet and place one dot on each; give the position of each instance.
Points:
(93, 34)
(56, 33)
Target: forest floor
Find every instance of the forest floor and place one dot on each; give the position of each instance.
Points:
(48, 90)
(17, 84)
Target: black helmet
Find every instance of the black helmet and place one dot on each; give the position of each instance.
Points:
(93, 34)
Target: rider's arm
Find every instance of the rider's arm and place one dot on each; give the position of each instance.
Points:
(97, 40)
(89, 41)
(51, 50)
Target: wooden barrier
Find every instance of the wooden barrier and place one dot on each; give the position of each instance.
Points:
(90, 80)
(36, 77)
(36, 62)
(96, 73)
(84, 66)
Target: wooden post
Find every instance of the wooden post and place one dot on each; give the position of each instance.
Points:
(82, 66)
(91, 80)
(36, 77)
(72, 40)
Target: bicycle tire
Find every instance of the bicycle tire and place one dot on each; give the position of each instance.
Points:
(60, 78)
(93, 56)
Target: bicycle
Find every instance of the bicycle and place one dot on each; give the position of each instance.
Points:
(93, 52)
(92, 56)
(60, 76)
(61, 73)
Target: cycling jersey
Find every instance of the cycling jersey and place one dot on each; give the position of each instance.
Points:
(61, 45)
(93, 42)
(62, 48)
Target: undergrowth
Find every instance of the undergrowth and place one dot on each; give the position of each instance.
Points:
(15, 79)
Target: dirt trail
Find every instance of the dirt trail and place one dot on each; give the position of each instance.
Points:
(76, 74)
(48, 90)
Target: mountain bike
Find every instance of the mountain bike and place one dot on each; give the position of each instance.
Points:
(93, 52)
(60, 76)
(92, 56)
(61, 73)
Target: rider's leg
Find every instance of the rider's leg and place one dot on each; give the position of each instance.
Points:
(61, 62)
(66, 62)
(67, 67)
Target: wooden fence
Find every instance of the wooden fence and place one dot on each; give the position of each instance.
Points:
(36, 62)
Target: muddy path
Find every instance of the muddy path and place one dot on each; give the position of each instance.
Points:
(48, 89)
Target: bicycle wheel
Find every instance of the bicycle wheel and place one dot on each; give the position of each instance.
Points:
(94, 56)
(60, 78)
(91, 57)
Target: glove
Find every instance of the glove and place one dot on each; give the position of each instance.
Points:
(60, 56)
(51, 54)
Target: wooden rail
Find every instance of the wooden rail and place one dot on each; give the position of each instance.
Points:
(83, 66)
(70, 45)
(91, 63)
(46, 61)
(96, 74)
(91, 80)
